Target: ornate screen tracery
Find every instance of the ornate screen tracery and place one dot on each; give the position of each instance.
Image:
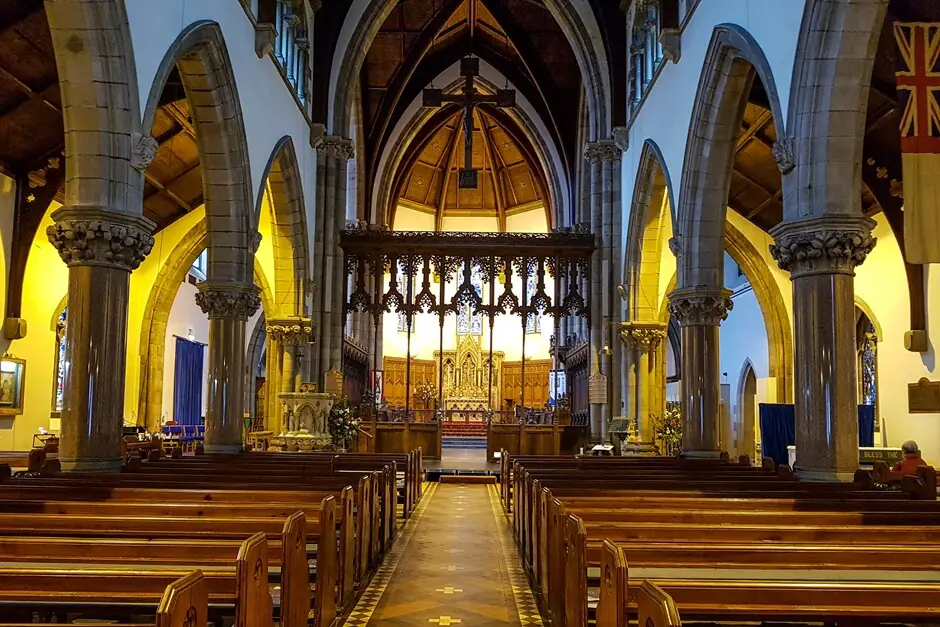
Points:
(516, 268)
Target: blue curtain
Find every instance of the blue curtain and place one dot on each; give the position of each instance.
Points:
(866, 425)
(778, 429)
(187, 382)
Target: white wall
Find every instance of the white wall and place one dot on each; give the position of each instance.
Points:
(666, 113)
(268, 107)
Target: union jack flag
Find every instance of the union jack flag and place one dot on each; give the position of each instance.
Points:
(918, 85)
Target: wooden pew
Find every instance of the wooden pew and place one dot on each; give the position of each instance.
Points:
(353, 544)
(197, 514)
(762, 600)
(183, 604)
(243, 587)
(89, 540)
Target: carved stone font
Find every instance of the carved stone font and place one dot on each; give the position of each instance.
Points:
(829, 245)
(696, 307)
(101, 238)
(228, 301)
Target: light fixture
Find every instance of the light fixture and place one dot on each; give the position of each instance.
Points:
(190, 335)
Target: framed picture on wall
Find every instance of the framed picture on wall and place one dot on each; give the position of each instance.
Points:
(12, 379)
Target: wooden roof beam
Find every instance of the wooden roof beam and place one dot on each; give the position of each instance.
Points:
(750, 180)
(26, 89)
(180, 118)
(759, 208)
(497, 184)
(753, 129)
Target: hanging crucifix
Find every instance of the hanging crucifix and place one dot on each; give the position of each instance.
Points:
(468, 98)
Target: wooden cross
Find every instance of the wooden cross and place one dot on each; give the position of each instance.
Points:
(468, 98)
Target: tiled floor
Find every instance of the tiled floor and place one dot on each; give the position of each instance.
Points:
(455, 563)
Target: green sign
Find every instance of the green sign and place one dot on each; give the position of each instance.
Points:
(868, 455)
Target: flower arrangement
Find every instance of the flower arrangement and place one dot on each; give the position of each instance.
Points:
(344, 427)
(426, 392)
(667, 429)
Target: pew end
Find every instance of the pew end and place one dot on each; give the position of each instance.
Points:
(723, 456)
(613, 593)
(863, 478)
(325, 604)
(922, 486)
(295, 574)
(347, 541)
(253, 605)
(576, 592)
(655, 608)
(768, 464)
(185, 603)
(784, 472)
(744, 460)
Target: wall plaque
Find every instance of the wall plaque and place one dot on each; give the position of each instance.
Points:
(923, 397)
(597, 389)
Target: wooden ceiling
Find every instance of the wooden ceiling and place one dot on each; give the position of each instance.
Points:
(510, 180)
(30, 107)
(422, 38)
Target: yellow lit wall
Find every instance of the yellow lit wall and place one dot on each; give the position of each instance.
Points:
(45, 286)
(488, 224)
(532, 221)
(410, 220)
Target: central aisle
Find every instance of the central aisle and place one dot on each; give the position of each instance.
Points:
(455, 563)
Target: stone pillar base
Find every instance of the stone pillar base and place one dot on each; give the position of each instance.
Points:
(223, 448)
(86, 464)
(701, 454)
(824, 476)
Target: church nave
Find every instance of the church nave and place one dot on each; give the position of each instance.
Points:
(455, 563)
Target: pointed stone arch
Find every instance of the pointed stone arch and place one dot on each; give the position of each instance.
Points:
(733, 60)
(157, 314)
(95, 61)
(828, 105)
(651, 194)
(201, 57)
(288, 228)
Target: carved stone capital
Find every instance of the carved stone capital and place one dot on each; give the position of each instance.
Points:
(336, 147)
(292, 331)
(265, 37)
(96, 237)
(227, 300)
(783, 155)
(696, 307)
(601, 151)
(828, 245)
(642, 336)
(254, 241)
(145, 149)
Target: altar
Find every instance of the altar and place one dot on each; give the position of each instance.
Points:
(467, 386)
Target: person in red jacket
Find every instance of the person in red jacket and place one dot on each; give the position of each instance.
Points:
(912, 459)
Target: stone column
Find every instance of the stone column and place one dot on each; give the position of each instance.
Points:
(821, 255)
(228, 306)
(333, 153)
(603, 158)
(640, 339)
(101, 248)
(699, 313)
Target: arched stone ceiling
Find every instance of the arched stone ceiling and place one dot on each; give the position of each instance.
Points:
(510, 177)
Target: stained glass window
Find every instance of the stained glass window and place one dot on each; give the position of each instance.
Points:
(60, 363)
(467, 324)
(402, 322)
(867, 363)
(533, 322)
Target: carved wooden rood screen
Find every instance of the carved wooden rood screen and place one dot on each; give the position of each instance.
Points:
(420, 264)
